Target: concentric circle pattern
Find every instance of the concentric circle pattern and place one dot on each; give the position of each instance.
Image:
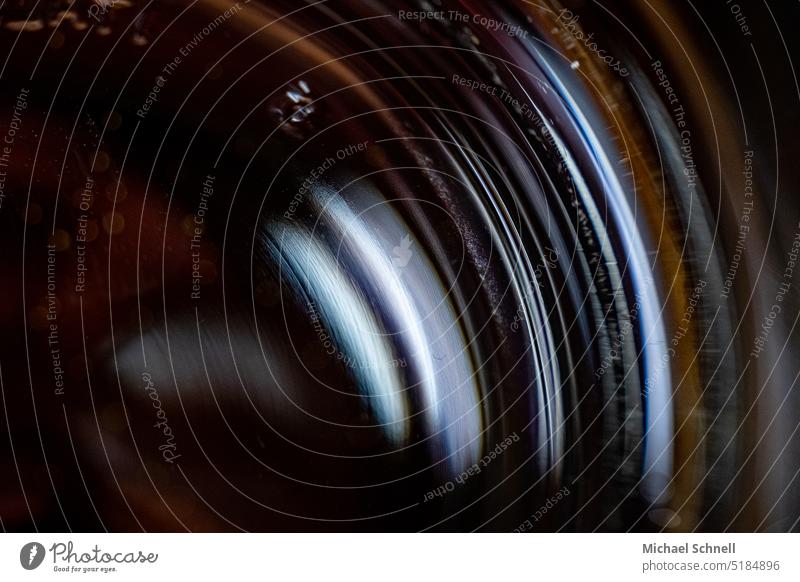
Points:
(440, 265)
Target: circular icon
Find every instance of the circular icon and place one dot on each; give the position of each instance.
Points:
(31, 555)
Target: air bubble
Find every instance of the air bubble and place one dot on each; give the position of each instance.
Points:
(294, 110)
